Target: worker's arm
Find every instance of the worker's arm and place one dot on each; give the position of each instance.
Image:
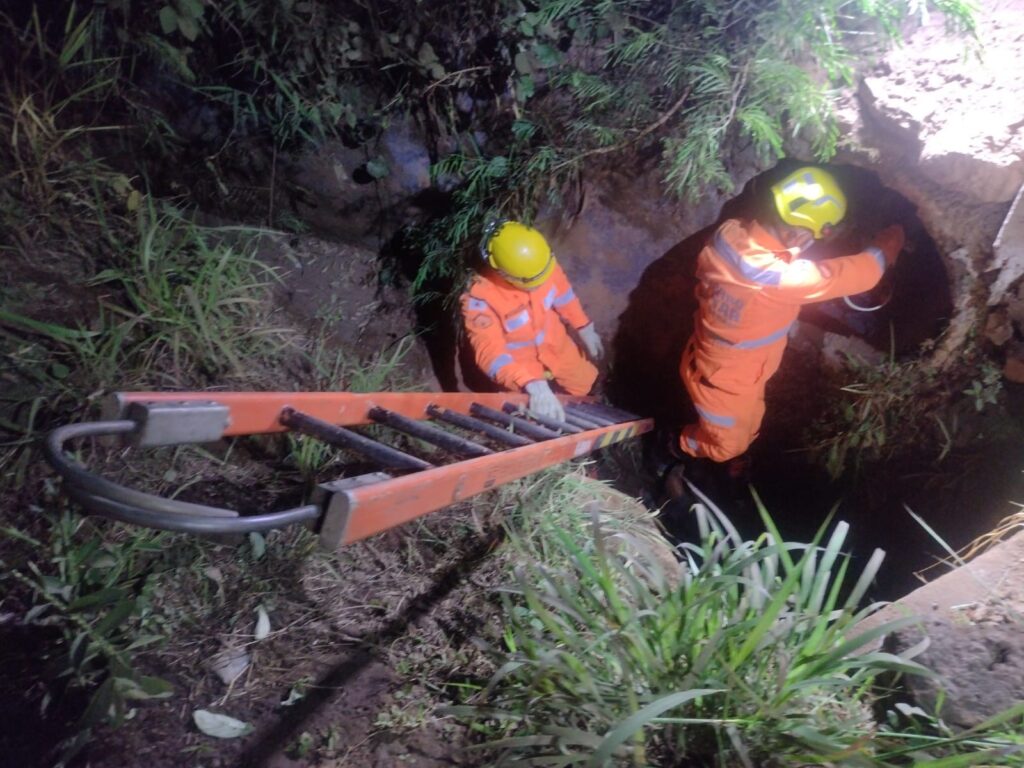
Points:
(487, 337)
(563, 299)
(803, 281)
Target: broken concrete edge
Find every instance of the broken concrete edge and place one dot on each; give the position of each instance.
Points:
(949, 595)
(1008, 251)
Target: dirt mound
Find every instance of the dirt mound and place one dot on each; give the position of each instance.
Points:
(960, 108)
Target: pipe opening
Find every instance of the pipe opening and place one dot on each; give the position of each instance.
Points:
(976, 472)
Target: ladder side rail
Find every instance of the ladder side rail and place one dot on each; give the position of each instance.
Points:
(370, 509)
(254, 413)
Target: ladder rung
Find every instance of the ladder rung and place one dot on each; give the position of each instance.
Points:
(579, 421)
(598, 421)
(468, 422)
(429, 433)
(517, 410)
(519, 425)
(346, 438)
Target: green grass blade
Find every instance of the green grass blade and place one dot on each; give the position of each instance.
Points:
(635, 722)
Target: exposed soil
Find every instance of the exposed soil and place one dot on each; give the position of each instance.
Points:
(355, 666)
(372, 642)
(337, 287)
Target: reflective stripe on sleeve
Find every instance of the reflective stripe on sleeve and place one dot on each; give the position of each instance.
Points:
(761, 276)
(550, 298)
(499, 362)
(476, 305)
(875, 251)
(714, 418)
(565, 298)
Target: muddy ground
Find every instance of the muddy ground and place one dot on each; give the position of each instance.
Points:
(369, 640)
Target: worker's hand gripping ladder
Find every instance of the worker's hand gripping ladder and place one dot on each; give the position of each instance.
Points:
(505, 444)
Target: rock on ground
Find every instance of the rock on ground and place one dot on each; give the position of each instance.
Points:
(980, 670)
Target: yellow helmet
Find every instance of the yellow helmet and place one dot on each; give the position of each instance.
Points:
(520, 253)
(810, 198)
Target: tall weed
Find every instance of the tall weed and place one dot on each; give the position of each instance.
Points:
(750, 655)
(198, 296)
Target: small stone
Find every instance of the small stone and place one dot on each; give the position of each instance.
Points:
(1013, 370)
(998, 328)
(836, 348)
(979, 669)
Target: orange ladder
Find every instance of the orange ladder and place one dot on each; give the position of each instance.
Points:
(485, 439)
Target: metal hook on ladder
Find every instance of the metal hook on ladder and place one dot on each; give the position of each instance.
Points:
(352, 508)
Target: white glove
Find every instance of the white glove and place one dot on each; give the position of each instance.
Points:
(592, 342)
(543, 401)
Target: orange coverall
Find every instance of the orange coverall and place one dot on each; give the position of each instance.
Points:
(518, 336)
(749, 294)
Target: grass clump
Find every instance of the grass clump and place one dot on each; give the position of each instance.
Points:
(749, 654)
(97, 594)
(182, 302)
(334, 369)
(198, 296)
(894, 407)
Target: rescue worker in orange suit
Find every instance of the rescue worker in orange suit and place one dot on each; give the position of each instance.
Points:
(751, 284)
(515, 313)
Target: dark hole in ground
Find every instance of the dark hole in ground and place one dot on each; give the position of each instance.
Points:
(960, 498)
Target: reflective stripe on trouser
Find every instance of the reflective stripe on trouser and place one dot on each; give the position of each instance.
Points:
(727, 422)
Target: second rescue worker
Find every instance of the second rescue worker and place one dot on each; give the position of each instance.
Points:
(752, 282)
(515, 313)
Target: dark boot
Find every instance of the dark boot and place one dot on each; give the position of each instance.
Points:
(674, 482)
(664, 452)
(740, 469)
